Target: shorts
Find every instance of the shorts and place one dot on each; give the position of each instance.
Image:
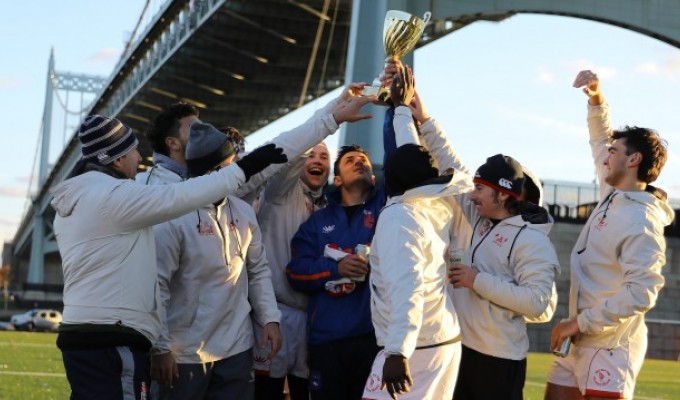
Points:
(434, 371)
(292, 357)
(608, 373)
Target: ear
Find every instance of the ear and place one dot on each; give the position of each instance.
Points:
(373, 179)
(117, 164)
(502, 197)
(337, 181)
(635, 159)
(173, 143)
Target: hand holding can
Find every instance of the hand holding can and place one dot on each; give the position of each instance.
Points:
(362, 250)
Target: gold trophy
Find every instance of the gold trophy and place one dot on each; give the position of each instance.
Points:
(401, 32)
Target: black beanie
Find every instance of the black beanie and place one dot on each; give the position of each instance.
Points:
(502, 173)
(206, 148)
(407, 167)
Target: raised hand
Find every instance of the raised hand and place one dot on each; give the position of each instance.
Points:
(403, 87)
(348, 109)
(261, 158)
(352, 90)
(591, 86)
(418, 109)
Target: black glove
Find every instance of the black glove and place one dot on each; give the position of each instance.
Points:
(261, 158)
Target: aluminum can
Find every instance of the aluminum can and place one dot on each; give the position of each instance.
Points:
(362, 250)
(456, 255)
(563, 351)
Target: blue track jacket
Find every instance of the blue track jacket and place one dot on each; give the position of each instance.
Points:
(332, 318)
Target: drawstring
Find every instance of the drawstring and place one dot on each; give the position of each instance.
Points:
(608, 200)
(232, 223)
(512, 246)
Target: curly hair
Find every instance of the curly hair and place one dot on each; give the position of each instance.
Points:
(649, 144)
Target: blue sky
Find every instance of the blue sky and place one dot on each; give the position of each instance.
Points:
(495, 87)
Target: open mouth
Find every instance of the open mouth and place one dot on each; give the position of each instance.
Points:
(315, 171)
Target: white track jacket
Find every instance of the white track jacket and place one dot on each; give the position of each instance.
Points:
(617, 260)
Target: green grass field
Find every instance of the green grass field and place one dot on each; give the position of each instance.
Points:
(31, 368)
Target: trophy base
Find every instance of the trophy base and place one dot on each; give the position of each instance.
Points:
(382, 93)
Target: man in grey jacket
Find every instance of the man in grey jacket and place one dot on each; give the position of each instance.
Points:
(616, 262)
(212, 272)
(104, 233)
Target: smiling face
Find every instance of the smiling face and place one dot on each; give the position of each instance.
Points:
(617, 163)
(354, 169)
(317, 167)
(489, 202)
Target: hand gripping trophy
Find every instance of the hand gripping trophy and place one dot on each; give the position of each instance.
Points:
(401, 32)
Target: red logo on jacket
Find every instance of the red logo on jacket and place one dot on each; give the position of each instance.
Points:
(499, 239)
(369, 219)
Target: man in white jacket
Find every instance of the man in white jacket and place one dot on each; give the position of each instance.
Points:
(212, 271)
(411, 309)
(104, 232)
(616, 262)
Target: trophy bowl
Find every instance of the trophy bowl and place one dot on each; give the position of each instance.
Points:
(401, 33)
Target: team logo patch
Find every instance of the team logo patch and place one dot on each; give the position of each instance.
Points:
(374, 382)
(206, 229)
(602, 377)
(601, 224)
(369, 219)
(328, 229)
(499, 239)
(505, 183)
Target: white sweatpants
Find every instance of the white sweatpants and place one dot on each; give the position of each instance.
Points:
(434, 372)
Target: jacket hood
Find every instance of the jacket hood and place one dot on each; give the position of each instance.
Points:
(533, 217)
(445, 185)
(656, 202)
(533, 188)
(65, 196)
(170, 164)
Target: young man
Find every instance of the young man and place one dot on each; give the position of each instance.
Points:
(616, 262)
(411, 308)
(515, 267)
(104, 232)
(168, 135)
(341, 339)
(212, 271)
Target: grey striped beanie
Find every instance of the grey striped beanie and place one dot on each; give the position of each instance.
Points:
(105, 139)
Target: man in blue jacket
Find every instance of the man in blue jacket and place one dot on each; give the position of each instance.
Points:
(342, 342)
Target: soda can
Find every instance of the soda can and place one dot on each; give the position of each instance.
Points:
(456, 255)
(564, 348)
(363, 250)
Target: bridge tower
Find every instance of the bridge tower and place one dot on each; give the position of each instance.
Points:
(42, 241)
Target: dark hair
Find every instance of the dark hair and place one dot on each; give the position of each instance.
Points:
(235, 136)
(648, 143)
(344, 150)
(166, 124)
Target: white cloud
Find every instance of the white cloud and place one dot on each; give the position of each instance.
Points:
(12, 191)
(545, 76)
(8, 82)
(104, 55)
(668, 69)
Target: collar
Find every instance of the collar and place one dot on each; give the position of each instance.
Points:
(170, 164)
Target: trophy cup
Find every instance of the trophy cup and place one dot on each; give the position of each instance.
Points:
(401, 32)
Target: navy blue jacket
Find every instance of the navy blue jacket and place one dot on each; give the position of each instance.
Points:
(331, 318)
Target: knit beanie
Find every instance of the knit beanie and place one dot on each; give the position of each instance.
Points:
(105, 139)
(502, 173)
(407, 167)
(206, 148)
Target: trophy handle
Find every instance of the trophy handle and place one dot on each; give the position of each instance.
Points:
(426, 18)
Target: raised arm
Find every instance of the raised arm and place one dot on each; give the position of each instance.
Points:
(599, 124)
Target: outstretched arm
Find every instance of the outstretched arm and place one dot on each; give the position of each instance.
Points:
(599, 124)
